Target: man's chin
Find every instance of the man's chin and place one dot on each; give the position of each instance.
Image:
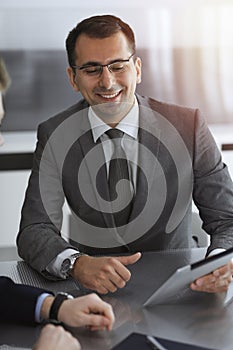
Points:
(112, 112)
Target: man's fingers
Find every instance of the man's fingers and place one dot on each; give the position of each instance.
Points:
(231, 265)
(105, 309)
(216, 282)
(121, 274)
(129, 259)
(99, 321)
(100, 314)
(103, 289)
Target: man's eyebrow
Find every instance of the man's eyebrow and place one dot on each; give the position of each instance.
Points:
(90, 63)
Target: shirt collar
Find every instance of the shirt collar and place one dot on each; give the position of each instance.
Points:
(129, 124)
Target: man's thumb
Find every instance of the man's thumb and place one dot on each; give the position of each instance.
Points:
(129, 259)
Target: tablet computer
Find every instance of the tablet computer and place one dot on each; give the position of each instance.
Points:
(183, 276)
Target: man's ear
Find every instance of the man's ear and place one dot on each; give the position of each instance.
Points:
(72, 79)
(138, 66)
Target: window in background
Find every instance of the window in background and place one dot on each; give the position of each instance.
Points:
(189, 58)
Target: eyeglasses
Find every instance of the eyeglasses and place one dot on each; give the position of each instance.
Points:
(96, 69)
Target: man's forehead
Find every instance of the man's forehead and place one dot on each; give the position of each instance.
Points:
(101, 49)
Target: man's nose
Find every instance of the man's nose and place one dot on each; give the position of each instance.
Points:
(106, 79)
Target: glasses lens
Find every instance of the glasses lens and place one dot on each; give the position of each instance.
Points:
(91, 70)
(117, 67)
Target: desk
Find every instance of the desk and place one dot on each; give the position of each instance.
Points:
(197, 318)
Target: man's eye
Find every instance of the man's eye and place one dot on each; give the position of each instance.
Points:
(91, 70)
(117, 67)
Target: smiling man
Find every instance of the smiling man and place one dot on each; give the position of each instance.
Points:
(128, 167)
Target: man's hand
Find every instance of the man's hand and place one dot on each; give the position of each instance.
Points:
(56, 338)
(88, 310)
(215, 282)
(104, 274)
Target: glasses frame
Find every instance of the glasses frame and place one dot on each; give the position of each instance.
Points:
(101, 66)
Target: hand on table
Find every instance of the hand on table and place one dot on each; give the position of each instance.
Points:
(104, 274)
(88, 310)
(215, 282)
(56, 338)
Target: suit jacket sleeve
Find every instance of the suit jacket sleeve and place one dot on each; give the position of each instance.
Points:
(213, 188)
(39, 228)
(17, 301)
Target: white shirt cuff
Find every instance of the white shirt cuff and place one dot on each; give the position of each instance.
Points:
(216, 251)
(54, 267)
(39, 303)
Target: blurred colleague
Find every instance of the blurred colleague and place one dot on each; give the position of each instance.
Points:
(4, 85)
(128, 166)
(23, 303)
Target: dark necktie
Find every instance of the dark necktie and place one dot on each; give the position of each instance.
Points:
(118, 170)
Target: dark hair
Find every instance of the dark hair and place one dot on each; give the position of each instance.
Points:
(100, 27)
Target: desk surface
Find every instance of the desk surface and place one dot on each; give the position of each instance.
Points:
(197, 318)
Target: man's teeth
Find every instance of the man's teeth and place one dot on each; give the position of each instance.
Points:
(110, 96)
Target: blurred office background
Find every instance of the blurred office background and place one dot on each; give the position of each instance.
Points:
(187, 51)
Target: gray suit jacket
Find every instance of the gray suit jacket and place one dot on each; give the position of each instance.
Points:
(178, 161)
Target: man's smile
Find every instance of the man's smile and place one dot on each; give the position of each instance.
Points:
(111, 97)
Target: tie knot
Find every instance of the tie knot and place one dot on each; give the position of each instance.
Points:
(114, 133)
